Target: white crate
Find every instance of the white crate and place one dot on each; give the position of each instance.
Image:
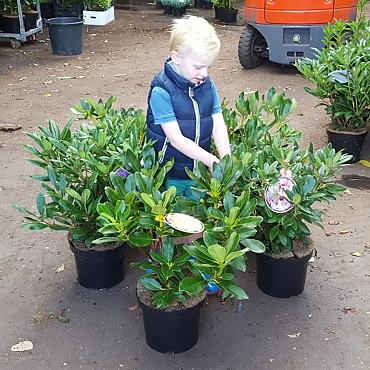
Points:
(96, 18)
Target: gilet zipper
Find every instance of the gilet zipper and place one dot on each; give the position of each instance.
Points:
(197, 122)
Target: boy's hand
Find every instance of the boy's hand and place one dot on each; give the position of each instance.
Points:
(187, 146)
(220, 135)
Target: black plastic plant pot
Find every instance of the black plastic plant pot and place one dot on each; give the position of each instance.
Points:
(11, 23)
(98, 269)
(68, 11)
(227, 15)
(179, 12)
(167, 9)
(350, 142)
(47, 10)
(207, 4)
(31, 20)
(216, 8)
(281, 277)
(171, 331)
(66, 35)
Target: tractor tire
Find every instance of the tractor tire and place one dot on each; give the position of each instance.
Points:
(251, 44)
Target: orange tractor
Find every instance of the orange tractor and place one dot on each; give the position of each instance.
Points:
(284, 30)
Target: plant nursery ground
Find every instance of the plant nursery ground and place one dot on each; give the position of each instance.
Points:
(326, 327)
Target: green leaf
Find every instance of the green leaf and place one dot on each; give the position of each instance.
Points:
(150, 283)
(73, 194)
(217, 252)
(201, 254)
(236, 291)
(85, 196)
(228, 276)
(209, 238)
(253, 245)
(167, 249)
(53, 177)
(232, 243)
(40, 203)
(148, 200)
(158, 258)
(169, 195)
(140, 239)
(297, 199)
(234, 255)
(239, 264)
(34, 226)
(106, 240)
(163, 299)
(309, 185)
(192, 285)
(283, 238)
(228, 201)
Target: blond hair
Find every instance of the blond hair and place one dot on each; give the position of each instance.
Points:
(195, 35)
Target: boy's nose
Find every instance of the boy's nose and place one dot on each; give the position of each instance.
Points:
(204, 72)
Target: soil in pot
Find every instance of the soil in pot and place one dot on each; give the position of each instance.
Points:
(350, 142)
(283, 276)
(174, 329)
(98, 268)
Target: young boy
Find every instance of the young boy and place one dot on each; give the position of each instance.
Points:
(184, 111)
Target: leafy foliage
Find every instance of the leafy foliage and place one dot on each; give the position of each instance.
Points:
(341, 72)
(175, 273)
(264, 146)
(227, 4)
(76, 165)
(97, 5)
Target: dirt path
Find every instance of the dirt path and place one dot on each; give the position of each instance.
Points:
(104, 332)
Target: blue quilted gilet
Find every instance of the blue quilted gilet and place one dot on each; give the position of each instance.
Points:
(193, 105)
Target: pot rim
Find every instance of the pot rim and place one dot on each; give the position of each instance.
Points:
(171, 308)
(332, 130)
(94, 247)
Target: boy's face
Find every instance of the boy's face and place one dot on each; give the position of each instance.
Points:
(192, 66)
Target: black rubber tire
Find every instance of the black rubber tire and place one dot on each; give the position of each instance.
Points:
(248, 58)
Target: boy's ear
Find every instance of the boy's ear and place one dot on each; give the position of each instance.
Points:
(175, 57)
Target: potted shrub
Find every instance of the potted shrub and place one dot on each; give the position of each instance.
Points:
(98, 12)
(198, 4)
(172, 290)
(225, 11)
(11, 17)
(340, 74)
(30, 13)
(75, 167)
(47, 9)
(276, 169)
(179, 7)
(68, 8)
(178, 269)
(167, 7)
(207, 4)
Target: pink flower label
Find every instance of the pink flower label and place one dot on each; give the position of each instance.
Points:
(275, 196)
